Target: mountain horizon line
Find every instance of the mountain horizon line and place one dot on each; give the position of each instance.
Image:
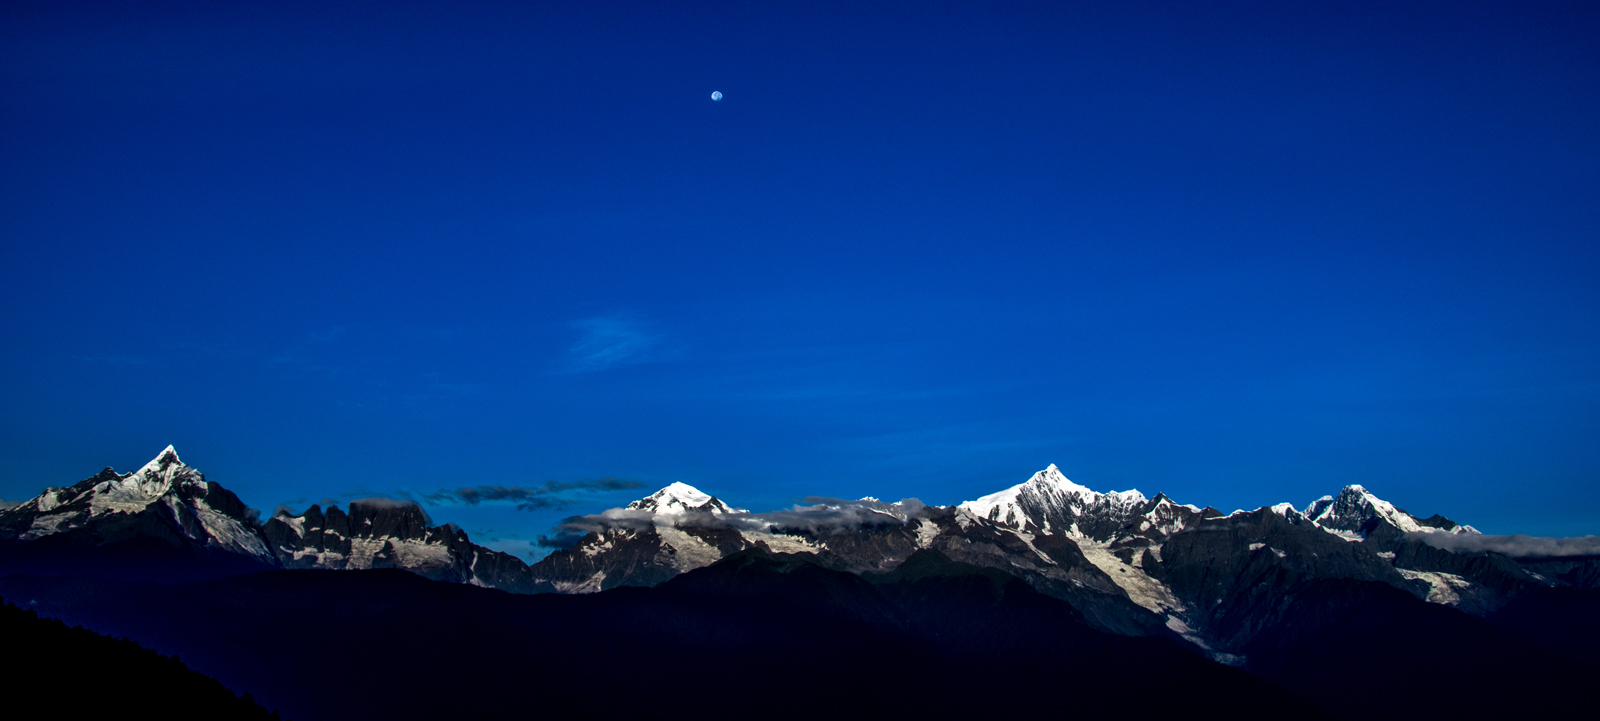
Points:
(688, 497)
(1131, 565)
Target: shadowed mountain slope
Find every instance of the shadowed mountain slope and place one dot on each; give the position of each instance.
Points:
(128, 678)
(771, 634)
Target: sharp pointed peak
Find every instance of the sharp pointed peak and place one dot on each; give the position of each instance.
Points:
(1356, 492)
(1052, 475)
(167, 458)
(1053, 478)
(1051, 471)
(680, 497)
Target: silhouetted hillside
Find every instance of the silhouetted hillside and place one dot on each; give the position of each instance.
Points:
(65, 672)
(771, 635)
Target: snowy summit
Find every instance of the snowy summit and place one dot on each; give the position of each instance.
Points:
(1049, 502)
(680, 498)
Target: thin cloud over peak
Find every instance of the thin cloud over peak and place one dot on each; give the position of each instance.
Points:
(1515, 545)
(528, 498)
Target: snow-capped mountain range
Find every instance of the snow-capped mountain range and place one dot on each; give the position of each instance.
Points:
(1132, 565)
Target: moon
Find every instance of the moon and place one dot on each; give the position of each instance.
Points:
(716, 95)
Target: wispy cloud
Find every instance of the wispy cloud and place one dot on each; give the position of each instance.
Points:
(1515, 545)
(372, 501)
(528, 498)
(823, 516)
(608, 342)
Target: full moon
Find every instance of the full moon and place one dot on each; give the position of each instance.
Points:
(716, 95)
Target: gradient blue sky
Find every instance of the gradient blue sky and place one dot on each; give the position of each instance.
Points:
(1238, 252)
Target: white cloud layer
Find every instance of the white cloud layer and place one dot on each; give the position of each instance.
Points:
(1518, 545)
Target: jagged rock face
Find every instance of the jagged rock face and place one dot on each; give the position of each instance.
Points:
(371, 535)
(671, 531)
(1441, 523)
(1575, 571)
(1478, 583)
(164, 500)
(1154, 522)
(647, 548)
(873, 549)
(1130, 565)
(1356, 511)
(1227, 569)
(388, 534)
(1054, 565)
(495, 569)
(646, 554)
(608, 559)
(1048, 503)
(149, 521)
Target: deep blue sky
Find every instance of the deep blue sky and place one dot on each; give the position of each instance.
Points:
(1239, 253)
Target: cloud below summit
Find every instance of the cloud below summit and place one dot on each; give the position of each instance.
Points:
(528, 498)
(823, 515)
(1519, 546)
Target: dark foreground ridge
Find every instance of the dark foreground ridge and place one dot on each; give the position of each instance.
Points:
(77, 673)
(770, 635)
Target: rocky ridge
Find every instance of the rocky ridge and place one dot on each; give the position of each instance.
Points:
(1129, 564)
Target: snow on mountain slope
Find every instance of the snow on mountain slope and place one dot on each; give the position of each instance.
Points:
(374, 533)
(1121, 532)
(674, 530)
(681, 528)
(1352, 513)
(202, 512)
(678, 499)
(1011, 506)
(1144, 590)
(1111, 530)
(1049, 503)
(1443, 588)
(172, 503)
(1106, 553)
(1353, 507)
